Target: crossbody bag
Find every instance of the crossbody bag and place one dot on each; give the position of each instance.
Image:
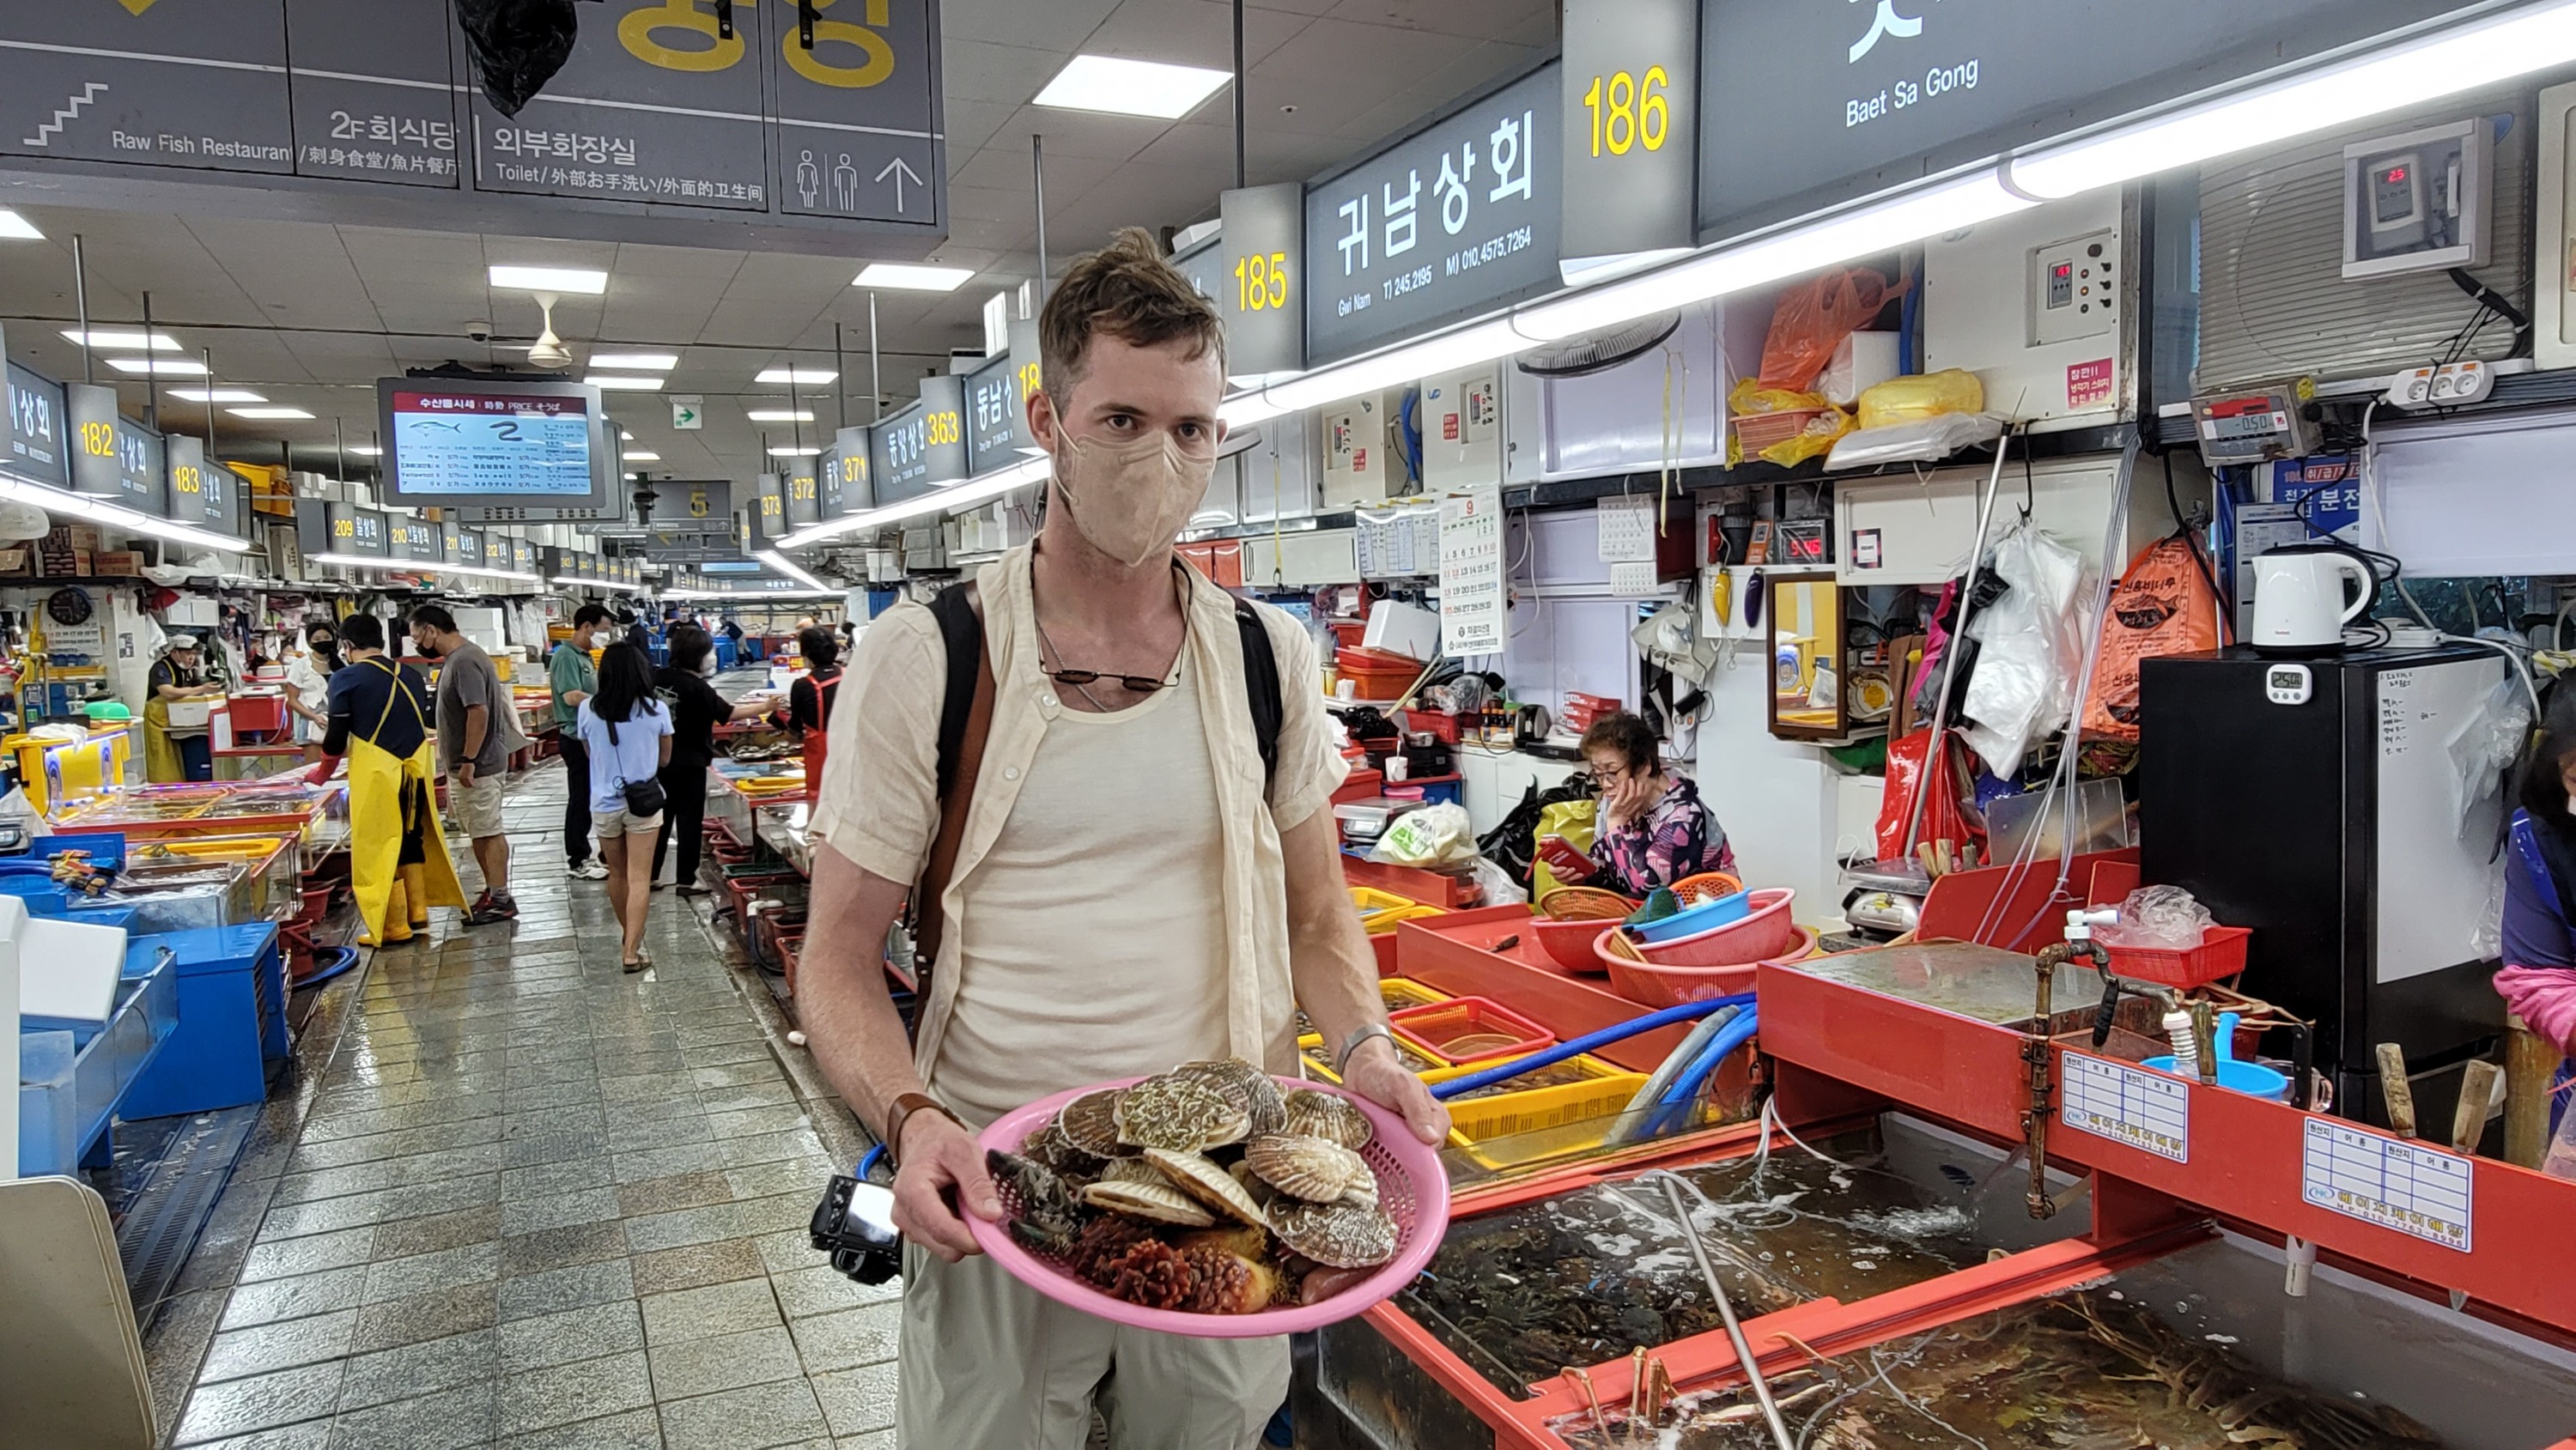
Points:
(643, 797)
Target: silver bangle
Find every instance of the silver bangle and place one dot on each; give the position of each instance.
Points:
(1359, 1039)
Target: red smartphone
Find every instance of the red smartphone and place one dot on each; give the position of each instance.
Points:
(1562, 857)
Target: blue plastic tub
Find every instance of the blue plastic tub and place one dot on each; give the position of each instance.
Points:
(1692, 920)
(2250, 1078)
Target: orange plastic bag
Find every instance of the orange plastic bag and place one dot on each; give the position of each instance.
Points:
(2162, 606)
(1946, 817)
(1812, 319)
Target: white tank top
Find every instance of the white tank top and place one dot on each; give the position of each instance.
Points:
(1092, 937)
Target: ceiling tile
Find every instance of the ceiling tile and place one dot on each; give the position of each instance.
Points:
(1052, 25)
(983, 71)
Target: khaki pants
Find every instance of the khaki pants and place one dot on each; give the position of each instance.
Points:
(990, 1364)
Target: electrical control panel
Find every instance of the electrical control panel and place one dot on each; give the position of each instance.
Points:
(1360, 465)
(2038, 305)
(2553, 290)
(2418, 201)
(1462, 429)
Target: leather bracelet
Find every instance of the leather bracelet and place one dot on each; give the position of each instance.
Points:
(1359, 1039)
(901, 1113)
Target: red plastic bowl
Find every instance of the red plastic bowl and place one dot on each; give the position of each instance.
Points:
(1412, 1188)
(1569, 943)
(1652, 985)
(1764, 934)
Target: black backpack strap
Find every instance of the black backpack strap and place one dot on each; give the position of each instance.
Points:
(1261, 687)
(961, 631)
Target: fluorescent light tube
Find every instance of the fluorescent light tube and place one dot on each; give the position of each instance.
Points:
(805, 376)
(780, 563)
(901, 276)
(366, 450)
(790, 450)
(159, 367)
(217, 395)
(268, 414)
(550, 279)
(117, 516)
(361, 561)
(2454, 59)
(639, 455)
(981, 489)
(647, 361)
(623, 383)
(111, 338)
(18, 228)
(1131, 87)
(781, 415)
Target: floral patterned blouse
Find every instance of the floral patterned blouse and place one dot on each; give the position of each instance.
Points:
(1675, 838)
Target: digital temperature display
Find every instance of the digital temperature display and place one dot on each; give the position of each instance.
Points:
(2061, 284)
(2394, 176)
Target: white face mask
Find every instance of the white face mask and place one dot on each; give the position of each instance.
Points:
(1130, 500)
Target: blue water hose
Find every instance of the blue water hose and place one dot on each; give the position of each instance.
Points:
(1549, 1057)
(1686, 1088)
(867, 1161)
(343, 960)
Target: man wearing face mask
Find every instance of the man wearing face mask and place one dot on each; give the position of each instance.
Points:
(1122, 761)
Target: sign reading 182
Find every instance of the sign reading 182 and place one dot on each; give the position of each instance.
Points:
(1629, 111)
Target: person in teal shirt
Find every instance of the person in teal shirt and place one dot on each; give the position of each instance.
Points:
(570, 676)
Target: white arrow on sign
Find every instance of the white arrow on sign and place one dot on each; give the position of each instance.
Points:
(899, 169)
(687, 412)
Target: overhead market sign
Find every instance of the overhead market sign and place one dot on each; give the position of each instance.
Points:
(671, 121)
(1810, 103)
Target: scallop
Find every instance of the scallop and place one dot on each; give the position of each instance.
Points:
(1336, 1235)
(1179, 1115)
(1329, 1116)
(1248, 1087)
(1090, 1124)
(1317, 1170)
(1156, 1202)
(1212, 1186)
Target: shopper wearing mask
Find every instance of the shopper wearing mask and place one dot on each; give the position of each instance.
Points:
(1122, 764)
(2538, 981)
(570, 678)
(308, 684)
(696, 711)
(379, 713)
(808, 716)
(626, 734)
(478, 732)
(176, 752)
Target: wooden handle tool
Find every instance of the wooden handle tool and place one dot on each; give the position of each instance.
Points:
(2477, 1094)
(2393, 1087)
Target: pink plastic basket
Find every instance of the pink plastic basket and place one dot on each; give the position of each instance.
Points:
(1756, 938)
(1405, 1167)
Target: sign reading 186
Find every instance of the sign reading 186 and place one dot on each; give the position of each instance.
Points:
(1261, 282)
(1629, 111)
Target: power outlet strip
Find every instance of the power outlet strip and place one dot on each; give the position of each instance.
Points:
(2446, 386)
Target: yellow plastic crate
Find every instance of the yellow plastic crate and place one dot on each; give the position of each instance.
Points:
(1380, 911)
(1397, 993)
(1573, 1117)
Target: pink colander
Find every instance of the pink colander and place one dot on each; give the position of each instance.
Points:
(1412, 1189)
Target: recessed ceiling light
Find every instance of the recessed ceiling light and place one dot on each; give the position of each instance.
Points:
(622, 433)
(160, 367)
(217, 395)
(796, 375)
(910, 278)
(551, 279)
(649, 361)
(366, 450)
(1131, 87)
(790, 450)
(262, 413)
(640, 455)
(781, 415)
(623, 382)
(125, 341)
(14, 225)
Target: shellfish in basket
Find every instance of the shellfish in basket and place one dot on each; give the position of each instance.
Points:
(1089, 1124)
(1316, 1170)
(1179, 1115)
(1324, 1115)
(1041, 1208)
(1336, 1235)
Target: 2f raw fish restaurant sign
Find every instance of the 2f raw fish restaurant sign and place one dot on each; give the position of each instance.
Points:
(1455, 220)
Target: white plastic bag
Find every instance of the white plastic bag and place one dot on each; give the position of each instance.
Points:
(2487, 741)
(1924, 440)
(1500, 888)
(2030, 649)
(1433, 836)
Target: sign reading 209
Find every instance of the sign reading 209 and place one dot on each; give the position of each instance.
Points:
(1454, 221)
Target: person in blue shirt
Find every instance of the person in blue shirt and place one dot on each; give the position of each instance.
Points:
(625, 732)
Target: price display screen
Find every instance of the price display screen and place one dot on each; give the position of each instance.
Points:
(470, 443)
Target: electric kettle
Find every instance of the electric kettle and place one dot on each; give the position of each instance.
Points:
(2301, 602)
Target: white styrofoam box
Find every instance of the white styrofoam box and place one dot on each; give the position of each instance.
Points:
(1301, 558)
(192, 611)
(1857, 799)
(2042, 343)
(1406, 629)
(475, 622)
(1667, 402)
(2553, 220)
(1924, 528)
(1462, 428)
(1861, 362)
(65, 969)
(1360, 468)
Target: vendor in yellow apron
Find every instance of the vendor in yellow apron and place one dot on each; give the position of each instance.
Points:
(398, 865)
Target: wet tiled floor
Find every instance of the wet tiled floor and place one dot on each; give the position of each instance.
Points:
(518, 1198)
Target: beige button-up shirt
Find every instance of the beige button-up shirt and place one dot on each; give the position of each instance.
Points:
(879, 804)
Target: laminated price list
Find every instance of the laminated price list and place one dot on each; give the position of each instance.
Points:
(2397, 1185)
(2148, 1110)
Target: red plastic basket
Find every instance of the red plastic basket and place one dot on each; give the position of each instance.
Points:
(1412, 1189)
(2221, 954)
(1469, 1029)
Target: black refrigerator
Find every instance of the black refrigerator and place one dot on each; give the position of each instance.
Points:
(2318, 802)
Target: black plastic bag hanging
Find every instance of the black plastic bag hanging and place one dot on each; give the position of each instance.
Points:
(517, 46)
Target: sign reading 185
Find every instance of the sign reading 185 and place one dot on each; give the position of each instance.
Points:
(1628, 112)
(1261, 282)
